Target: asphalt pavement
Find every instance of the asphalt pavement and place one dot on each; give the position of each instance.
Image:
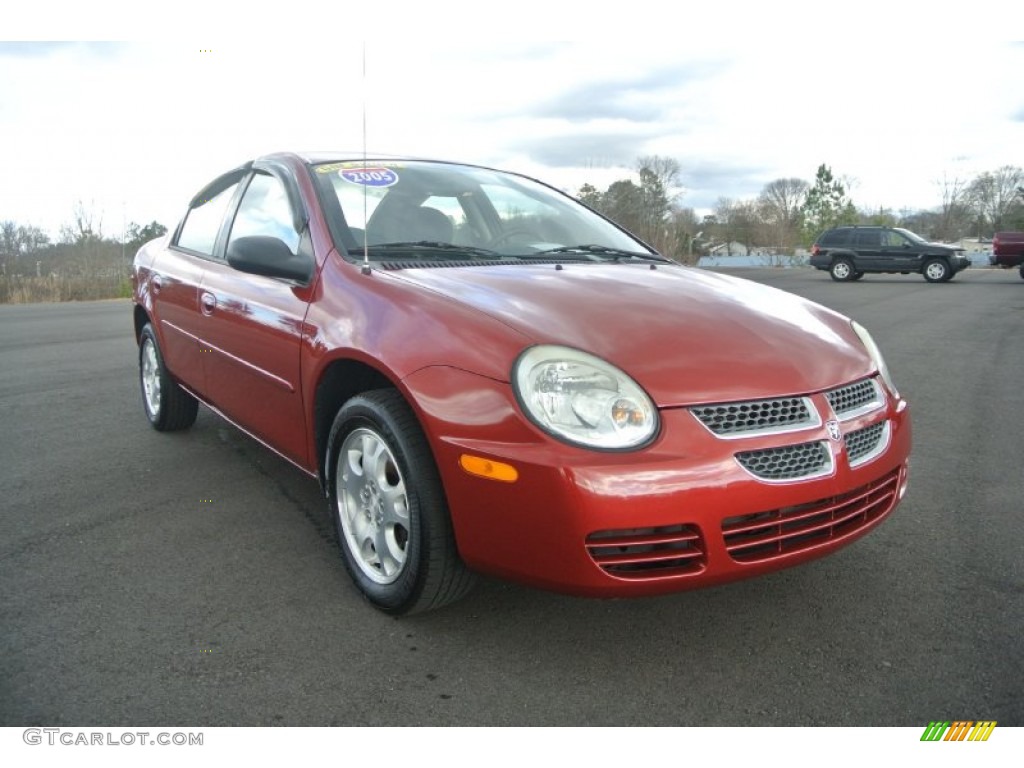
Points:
(193, 579)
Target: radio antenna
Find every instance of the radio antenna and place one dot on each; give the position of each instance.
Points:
(366, 241)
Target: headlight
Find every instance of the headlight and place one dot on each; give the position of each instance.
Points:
(582, 399)
(876, 356)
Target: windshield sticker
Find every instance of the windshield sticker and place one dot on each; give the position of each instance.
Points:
(370, 177)
(329, 168)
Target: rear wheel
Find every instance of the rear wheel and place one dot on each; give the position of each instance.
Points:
(389, 507)
(937, 271)
(168, 407)
(842, 270)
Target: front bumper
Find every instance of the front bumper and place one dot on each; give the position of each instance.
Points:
(680, 514)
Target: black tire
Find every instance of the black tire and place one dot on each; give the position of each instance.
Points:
(936, 271)
(858, 275)
(394, 530)
(842, 270)
(168, 407)
(1022, 271)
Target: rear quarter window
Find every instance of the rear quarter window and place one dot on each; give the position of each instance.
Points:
(835, 237)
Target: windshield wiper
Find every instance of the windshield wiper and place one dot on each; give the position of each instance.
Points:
(601, 250)
(432, 247)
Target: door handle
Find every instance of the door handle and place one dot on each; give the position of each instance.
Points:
(208, 302)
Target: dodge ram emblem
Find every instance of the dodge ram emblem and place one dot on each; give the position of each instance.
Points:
(832, 427)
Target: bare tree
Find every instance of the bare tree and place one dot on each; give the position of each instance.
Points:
(84, 239)
(954, 212)
(780, 206)
(84, 227)
(722, 224)
(9, 241)
(664, 169)
(993, 194)
(683, 227)
(736, 221)
(17, 242)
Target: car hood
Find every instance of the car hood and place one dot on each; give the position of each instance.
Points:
(686, 335)
(942, 246)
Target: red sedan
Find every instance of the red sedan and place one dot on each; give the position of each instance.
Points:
(486, 376)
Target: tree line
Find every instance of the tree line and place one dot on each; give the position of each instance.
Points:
(81, 264)
(790, 213)
(82, 248)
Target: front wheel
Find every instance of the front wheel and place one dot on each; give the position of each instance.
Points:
(389, 507)
(168, 407)
(842, 270)
(937, 271)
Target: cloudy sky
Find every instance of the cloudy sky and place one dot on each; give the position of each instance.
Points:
(134, 129)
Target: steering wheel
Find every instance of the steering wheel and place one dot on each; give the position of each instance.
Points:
(509, 235)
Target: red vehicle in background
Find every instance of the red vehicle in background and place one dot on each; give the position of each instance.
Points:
(1008, 250)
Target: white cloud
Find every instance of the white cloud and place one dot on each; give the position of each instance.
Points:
(145, 125)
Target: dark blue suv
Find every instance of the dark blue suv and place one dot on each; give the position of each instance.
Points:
(848, 253)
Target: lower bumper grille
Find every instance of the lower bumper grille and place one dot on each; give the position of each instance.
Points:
(637, 553)
(779, 532)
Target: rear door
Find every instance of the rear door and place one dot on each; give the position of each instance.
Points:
(175, 280)
(868, 245)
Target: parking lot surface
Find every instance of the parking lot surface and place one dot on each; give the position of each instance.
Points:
(194, 578)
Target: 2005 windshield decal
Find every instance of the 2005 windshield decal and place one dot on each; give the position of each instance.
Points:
(370, 177)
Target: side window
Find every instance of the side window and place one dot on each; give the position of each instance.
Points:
(868, 238)
(835, 238)
(265, 211)
(892, 239)
(202, 223)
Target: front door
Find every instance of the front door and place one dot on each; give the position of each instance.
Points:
(253, 327)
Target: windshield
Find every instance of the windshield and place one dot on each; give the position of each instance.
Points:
(450, 211)
(912, 235)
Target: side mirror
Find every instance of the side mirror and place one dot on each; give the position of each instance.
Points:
(270, 257)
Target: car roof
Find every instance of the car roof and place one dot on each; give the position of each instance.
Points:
(336, 156)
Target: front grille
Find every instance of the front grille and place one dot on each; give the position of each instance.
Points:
(790, 462)
(754, 416)
(865, 444)
(780, 532)
(637, 553)
(856, 398)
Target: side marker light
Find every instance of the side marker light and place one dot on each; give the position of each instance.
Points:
(487, 469)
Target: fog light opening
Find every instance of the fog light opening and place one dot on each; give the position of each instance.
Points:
(904, 480)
